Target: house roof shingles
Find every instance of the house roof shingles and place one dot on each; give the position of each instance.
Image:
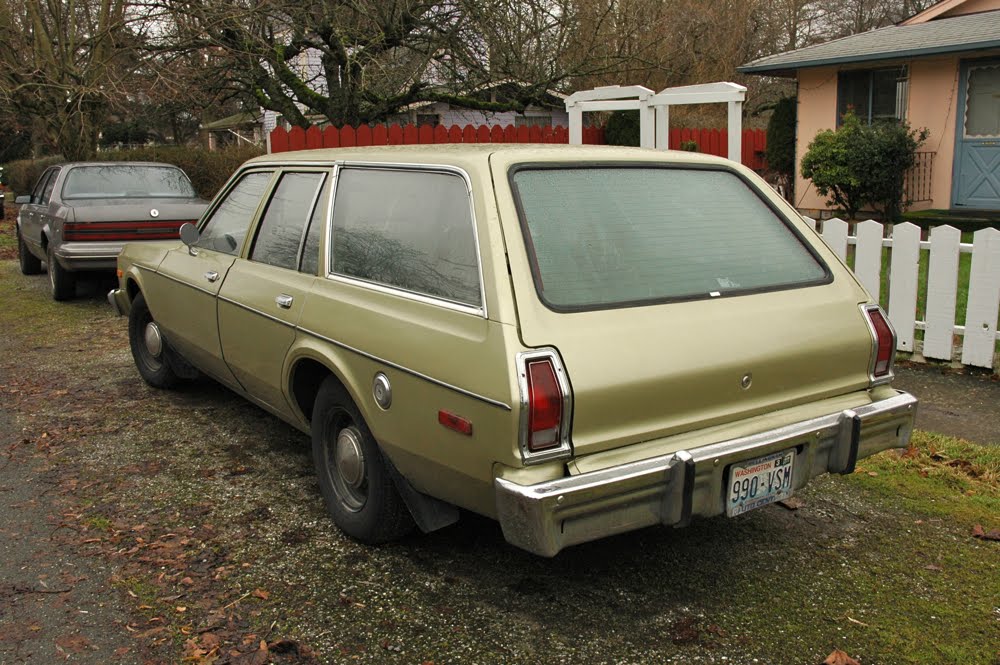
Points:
(972, 32)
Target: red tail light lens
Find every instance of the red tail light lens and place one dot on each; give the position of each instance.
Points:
(545, 406)
(884, 342)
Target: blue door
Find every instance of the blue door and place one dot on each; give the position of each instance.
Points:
(977, 150)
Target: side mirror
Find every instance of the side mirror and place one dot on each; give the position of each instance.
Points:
(189, 235)
(24, 198)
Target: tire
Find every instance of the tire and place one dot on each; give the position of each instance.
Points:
(63, 281)
(360, 495)
(154, 366)
(30, 264)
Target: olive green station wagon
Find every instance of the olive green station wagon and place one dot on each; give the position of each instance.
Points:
(575, 341)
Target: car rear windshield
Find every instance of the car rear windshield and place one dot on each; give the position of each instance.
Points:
(616, 236)
(126, 181)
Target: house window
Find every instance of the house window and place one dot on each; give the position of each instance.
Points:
(532, 120)
(873, 94)
(432, 119)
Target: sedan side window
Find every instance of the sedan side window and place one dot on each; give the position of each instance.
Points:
(36, 193)
(227, 227)
(49, 186)
(284, 224)
(412, 230)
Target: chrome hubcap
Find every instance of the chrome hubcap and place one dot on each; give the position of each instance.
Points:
(349, 458)
(153, 339)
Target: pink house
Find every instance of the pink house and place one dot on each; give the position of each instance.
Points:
(939, 69)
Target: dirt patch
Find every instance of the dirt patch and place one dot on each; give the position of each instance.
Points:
(205, 513)
(957, 402)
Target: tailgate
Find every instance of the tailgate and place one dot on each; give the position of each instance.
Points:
(666, 358)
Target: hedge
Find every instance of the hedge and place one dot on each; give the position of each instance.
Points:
(208, 170)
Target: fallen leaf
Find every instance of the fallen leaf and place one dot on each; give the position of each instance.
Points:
(838, 657)
(181, 609)
(187, 581)
(260, 593)
(982, 534)
(933, 566)
(873, 474)
(792, 503)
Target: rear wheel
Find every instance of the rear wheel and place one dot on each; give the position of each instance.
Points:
(30, 264)
(149, 348)
(63, 281)
(353, 477)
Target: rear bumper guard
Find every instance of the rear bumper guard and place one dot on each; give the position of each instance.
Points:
(671, 489)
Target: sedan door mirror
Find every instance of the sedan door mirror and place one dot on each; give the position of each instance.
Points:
(189, 235)
(24, 198)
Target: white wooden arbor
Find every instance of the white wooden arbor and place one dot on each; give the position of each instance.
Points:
(654, 109)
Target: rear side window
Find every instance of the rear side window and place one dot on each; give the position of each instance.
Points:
(616, 236)
(283, 227)
(409, 230)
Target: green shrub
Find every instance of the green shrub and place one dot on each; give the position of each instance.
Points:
(858, 164)
(780, 153)
(622, 128)
(22, 174)
(689, 146)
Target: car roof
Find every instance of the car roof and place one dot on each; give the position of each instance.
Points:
(464, 154)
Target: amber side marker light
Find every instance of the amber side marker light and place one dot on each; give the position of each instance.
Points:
(119, 273)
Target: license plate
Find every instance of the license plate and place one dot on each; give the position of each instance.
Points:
(760, 481)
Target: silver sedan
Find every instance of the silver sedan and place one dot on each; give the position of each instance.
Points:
(79, 215)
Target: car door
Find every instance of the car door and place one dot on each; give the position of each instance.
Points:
(262, 296)
(182, 296)
(31, 213)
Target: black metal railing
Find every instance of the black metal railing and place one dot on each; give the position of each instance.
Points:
(917, 180)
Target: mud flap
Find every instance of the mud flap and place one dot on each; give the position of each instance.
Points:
(429, 513)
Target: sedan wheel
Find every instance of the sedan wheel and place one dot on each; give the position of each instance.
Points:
(30, 264)
(63, 281)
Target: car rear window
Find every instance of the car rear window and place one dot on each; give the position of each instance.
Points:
(616, 236)
(126, 181)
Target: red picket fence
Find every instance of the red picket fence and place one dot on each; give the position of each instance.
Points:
(709, 141)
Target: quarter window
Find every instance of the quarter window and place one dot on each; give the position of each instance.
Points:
(49, 186)
(226, 229)
(410, 230)
(283, 226)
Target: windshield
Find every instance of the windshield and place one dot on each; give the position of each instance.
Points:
(615, 236)
(126, 181)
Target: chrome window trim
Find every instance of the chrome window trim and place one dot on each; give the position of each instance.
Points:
(481, 309)
(872, 379)
(565, 448)
(407, 370)
(409, 295)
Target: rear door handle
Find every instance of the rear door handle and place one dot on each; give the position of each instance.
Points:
(212, 276)
(284, 301)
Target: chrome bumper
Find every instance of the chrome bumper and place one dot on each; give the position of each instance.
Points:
(113, 296)
(671, 489)
(88, 255)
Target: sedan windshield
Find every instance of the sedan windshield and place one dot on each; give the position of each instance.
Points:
(616, 236)
(126, 181)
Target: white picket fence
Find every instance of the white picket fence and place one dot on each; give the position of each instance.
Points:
(942, 251)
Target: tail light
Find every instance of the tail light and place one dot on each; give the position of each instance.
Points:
(545, 406)
(883, 344)
(122, 231)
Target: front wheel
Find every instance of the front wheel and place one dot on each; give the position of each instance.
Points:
(63, 281)
(353, 477)
(149, 348)
(30, 264)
